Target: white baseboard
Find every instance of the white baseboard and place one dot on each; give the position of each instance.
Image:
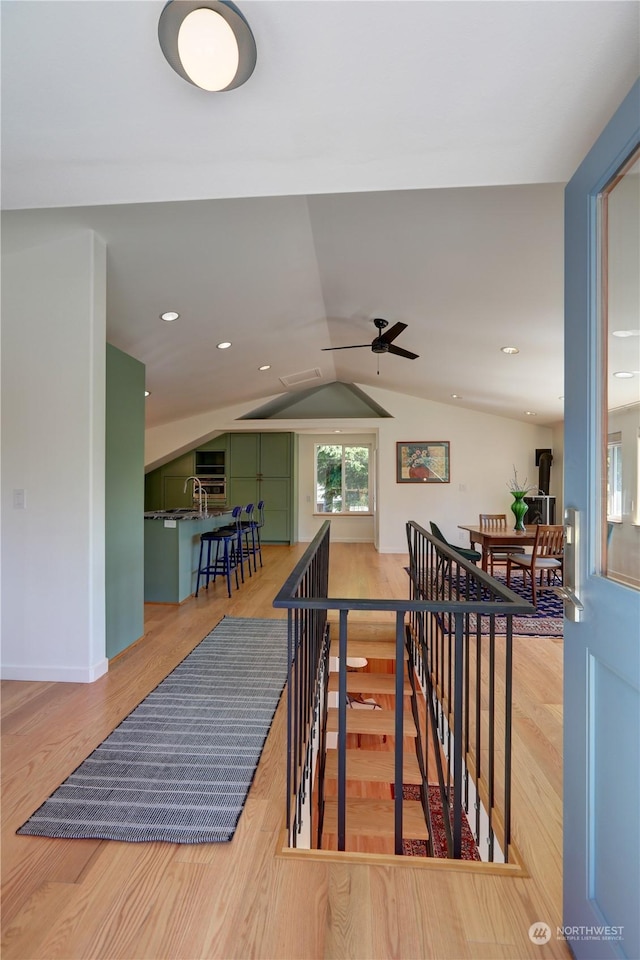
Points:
(56, 674)
(341, 540)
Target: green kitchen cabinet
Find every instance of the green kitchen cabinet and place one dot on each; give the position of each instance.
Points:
(164, 487)
(221, 442)
(244, 455)
(276, 493)
(174, 493)
(261, 468)
(153, 492)
(275, 454)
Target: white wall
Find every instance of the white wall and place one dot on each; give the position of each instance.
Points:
(484, 451)
(53, 448)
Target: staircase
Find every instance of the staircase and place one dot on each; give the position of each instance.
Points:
(465, 667)
(371, 747)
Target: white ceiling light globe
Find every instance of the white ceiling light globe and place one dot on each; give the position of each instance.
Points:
(208, 49)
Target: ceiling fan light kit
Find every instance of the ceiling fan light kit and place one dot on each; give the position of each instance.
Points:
(208, 43)
(383, 343)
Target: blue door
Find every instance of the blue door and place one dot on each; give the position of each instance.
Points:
(601, 907)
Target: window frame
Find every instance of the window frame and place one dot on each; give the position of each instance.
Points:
(343, 445)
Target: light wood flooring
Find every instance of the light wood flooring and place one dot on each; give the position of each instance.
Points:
(102, 899)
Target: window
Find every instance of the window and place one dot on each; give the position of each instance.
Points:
(342, 477)
(614, 477)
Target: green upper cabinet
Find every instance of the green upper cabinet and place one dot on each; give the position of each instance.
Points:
(244, 454)
(182, 467)
(164, 487)
(275, 454)
(221, 442)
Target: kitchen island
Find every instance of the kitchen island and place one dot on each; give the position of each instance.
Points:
(172, 549)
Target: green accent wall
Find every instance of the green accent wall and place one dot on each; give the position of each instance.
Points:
(124, 501)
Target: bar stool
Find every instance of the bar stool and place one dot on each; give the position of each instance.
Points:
(228, 556)
(251, 545)
(259, 522)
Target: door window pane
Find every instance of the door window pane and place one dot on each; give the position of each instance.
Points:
(620, 298)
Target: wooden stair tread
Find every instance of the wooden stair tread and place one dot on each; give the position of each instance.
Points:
(374, 766)
(368, 648)
(380, 722)
(364, 630)
(376, 818)
(359, 682)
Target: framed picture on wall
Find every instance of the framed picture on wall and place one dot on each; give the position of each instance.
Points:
(422, 461)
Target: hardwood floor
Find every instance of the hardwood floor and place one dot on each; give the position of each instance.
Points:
(102, 899)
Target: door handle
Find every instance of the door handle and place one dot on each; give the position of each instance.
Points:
(570, 592)
(573, 608)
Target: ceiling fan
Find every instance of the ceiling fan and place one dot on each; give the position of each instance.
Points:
(383, 343)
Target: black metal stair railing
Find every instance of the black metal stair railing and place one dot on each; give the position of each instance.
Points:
(461, 699)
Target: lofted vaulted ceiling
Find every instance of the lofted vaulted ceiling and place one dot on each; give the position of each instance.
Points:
(386, 159)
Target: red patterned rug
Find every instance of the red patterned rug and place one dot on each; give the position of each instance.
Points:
(418, 848)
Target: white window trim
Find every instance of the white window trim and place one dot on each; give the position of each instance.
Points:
(351, 514)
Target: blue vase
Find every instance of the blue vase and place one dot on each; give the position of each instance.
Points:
(519, 508)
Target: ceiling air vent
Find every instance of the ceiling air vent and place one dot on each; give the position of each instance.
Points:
(303, 377)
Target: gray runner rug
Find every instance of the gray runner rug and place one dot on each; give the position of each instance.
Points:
(179, 767)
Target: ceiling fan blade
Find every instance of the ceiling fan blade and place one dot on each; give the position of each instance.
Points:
(399, 352)
(393, 332)
(354, 346)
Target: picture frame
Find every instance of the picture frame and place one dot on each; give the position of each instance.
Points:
(423, 461)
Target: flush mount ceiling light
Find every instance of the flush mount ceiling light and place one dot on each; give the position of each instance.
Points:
(207, 42)
(224, 345)
(623, 374)
(265, 366)
(509, 350)
(625, 333)
(169, 316)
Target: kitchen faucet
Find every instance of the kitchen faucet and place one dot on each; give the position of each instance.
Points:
(197, 485)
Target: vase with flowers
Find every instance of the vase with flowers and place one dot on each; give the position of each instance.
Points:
(519, 491)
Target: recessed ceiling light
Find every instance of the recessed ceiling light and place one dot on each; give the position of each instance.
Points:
(509, 349)
(456, 396)
(561, 398)
(530, 413)
(224, 345)
(265, 366)
(626, 333)
(337, 431)
(623, 374)
(147, 393)
(169, 316)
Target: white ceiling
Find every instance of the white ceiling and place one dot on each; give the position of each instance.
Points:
(304, 202)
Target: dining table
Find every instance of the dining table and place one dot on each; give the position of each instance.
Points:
(498, 538)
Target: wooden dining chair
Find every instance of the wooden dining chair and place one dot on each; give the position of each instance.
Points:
(546, 557)
(497, 554)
